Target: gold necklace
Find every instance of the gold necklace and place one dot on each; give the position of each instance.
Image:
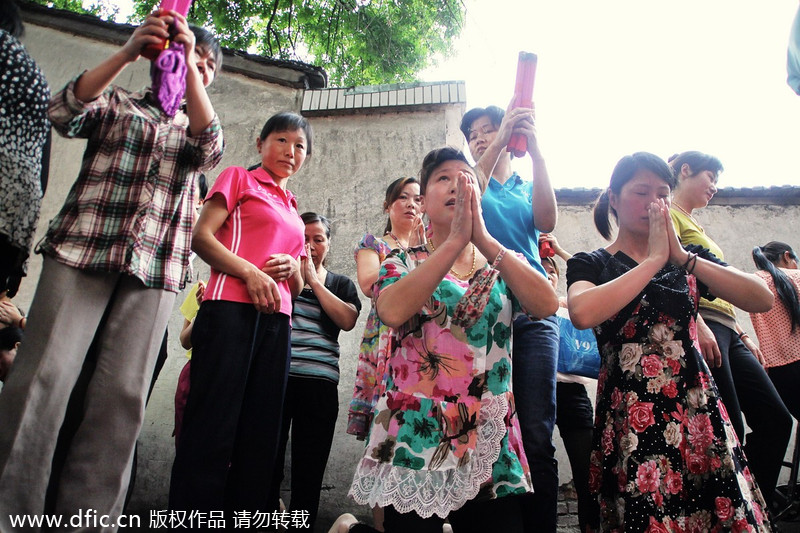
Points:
(452, 271)
(682, 210)
(688, 214)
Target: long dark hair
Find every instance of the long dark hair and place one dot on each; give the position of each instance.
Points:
(393, 192)
(626, 169)
(10, 18)
(766, 257)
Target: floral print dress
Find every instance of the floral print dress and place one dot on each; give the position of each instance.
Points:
(371, 357)
(665, 457)
(445, 430)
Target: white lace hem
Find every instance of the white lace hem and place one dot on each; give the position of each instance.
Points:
(439, 492)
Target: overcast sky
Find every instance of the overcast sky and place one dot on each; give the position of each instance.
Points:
(615, 77)
(619, 76)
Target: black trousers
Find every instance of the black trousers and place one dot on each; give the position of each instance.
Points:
(575, 420)
(786, 379)
(309, 411)
(502, 514)
(745, 388)
(231, 426)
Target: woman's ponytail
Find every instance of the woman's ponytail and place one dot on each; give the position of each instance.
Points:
(601, 213)
(765, 257)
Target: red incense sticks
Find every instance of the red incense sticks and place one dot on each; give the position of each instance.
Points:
(523, 92)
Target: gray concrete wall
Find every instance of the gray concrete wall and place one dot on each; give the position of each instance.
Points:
(355, 156)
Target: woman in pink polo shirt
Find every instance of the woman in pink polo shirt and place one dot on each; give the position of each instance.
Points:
(251, 235)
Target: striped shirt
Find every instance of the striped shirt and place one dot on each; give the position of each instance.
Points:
(315, 337)
(132, 207)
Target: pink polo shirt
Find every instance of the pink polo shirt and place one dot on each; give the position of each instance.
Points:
(262, 220)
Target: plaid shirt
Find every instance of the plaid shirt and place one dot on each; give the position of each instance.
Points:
(132, 207)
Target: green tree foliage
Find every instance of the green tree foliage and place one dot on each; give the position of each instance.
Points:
(105, 9)
(355, 41)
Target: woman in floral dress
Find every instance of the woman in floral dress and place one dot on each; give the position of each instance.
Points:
(444, 440)
(665, 456)
(402, 204)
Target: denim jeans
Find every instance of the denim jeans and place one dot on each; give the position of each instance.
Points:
(535, 355)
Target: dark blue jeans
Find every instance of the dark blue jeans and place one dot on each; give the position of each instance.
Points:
(535, 356)
(745, 388)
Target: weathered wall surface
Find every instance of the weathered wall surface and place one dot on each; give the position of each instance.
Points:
(354, 157)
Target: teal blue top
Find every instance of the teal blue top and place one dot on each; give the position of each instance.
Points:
(508, 215)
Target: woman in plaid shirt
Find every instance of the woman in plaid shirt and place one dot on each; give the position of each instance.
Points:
(115, 257)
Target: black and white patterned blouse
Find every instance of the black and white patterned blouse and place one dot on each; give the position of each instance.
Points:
(24, 126)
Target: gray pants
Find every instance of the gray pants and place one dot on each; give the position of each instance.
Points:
(64, 319)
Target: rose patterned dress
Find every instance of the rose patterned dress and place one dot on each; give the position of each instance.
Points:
(445, 430)
(665, 457)
(371, 357)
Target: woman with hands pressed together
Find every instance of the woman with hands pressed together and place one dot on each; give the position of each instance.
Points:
(251, 235)
(445, 440)
(665, 454)
(734, 358)
(328, 304)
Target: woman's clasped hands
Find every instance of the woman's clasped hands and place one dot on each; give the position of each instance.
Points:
(663, 243)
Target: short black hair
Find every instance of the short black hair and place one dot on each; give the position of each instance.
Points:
(309, 217)
(9, 337)
(494, 113)
(436, 157)
(206, 39)
(286, 121)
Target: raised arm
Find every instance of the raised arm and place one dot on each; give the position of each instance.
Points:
(545, 212)
(533, 290)
(745, 291)
(94, 81)
(590, 304)
(486, 164)
(198, 105)
(406, 297)
(262, 288)
(559, 251)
